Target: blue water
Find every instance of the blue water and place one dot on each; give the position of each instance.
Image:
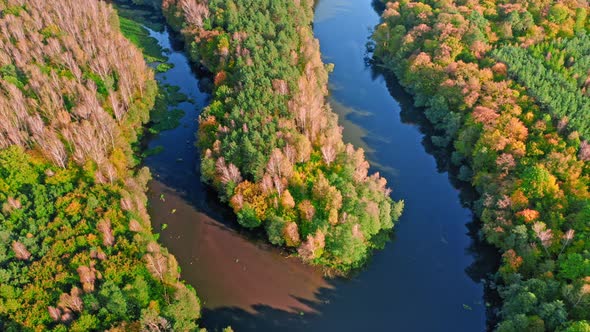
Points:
(426, 279)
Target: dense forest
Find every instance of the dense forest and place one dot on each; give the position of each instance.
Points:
(270, 143)
(77, 251)
(556, 74)
(505, 84)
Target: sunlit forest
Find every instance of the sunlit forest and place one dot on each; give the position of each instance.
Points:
(501, 89)
(77, 248)
(505, 85)
(271, 145)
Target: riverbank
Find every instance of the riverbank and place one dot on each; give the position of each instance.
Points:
(432, 265)
(529, 170)
(200, 230)
(77, 249)
(271, 146)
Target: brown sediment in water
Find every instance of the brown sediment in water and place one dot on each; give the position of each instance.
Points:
(233, 271)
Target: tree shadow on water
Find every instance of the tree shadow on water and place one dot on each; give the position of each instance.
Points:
(486, 259)
(266, 318)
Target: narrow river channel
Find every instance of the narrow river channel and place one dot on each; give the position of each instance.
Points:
(426, 279)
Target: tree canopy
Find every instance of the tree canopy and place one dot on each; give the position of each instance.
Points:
(270, 144)
(519, 143)
(76, 247)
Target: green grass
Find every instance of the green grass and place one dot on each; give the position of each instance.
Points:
(148, 18)
(153, 151)
(164, 67)
(140, 37)
(162, 118)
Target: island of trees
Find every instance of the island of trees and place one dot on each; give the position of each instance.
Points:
(76, 247)
(506, 85)
(270, 144)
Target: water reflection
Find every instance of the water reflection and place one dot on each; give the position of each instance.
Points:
(486, 257)
(423, 281)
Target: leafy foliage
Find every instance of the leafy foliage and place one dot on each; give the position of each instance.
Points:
(556, 74)
(531, 172)
(271, 145)
(55, 217)
(75, 237)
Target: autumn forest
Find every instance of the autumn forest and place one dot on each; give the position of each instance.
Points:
(87, 87)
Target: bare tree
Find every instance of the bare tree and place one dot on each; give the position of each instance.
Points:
(567, 237)
(584, 153)
(279, 184)
(227, 172)
(312, 247)
(306, 210)
(65, 110)
(328, 153)
(54, 313)
(11, 204)
(71, 301)
(156, 264)
(195, 11)
(134, 226)
(104, 227)
(53, 148)
(278, 165)
(280, 87)
(20, 251)
(291, 234)
(87, 277)
(544, 234)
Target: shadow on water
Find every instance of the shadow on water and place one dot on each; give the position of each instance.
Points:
(265, 318)
(428, 271)
(486, 257)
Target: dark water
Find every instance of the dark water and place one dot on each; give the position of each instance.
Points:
(426, 279)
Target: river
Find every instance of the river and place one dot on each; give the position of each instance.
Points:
(428, 278)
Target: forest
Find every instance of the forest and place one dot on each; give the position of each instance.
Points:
(76, 95)
(270, 143)
(556, 75)
(505, 86)
(77, 250)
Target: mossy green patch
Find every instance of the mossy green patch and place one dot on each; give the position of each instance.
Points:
(174, 96)
(13, 10)
(162, 117)
(146, 17)
(140, 37)
(166, 120)
(101, 86)
(164, 67)
(13, 75)
(153, 151)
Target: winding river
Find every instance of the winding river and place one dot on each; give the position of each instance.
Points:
(428, 278)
